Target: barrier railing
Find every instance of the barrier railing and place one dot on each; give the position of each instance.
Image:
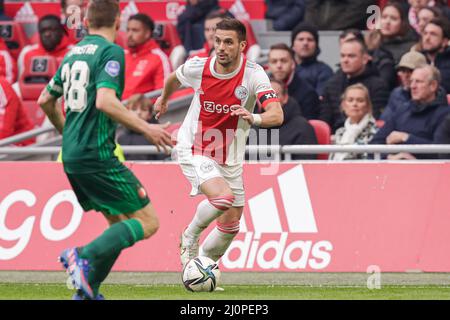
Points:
(274, 151)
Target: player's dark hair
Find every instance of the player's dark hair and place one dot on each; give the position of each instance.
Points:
(233, 25)
(102, 13)
(283, 46)
(145, 20)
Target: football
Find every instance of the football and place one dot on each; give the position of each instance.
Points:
(201, 274)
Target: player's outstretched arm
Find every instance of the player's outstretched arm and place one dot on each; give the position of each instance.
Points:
(272, 117)
(172, 84)
(48, 103)
(107, 102)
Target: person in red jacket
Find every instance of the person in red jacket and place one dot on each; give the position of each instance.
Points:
(53, 41)
(8, 67)
(147, 66)
(13, 116)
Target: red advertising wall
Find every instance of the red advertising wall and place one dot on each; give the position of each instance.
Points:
(158, 10)
(311, 217)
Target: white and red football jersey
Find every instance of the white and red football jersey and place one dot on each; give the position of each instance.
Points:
(209, 129)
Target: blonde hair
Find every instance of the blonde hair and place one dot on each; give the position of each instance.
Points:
(361, 87)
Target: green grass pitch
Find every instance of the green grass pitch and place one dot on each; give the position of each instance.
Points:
(32, 291)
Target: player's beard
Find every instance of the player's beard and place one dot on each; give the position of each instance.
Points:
(228, 61)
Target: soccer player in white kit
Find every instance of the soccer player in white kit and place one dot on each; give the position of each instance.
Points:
(211, 141)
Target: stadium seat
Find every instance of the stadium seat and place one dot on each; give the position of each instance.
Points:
(323, 134)
(14, 36)
(167, 37)
(37, 72)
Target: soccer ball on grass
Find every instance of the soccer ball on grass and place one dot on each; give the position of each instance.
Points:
(201, 274)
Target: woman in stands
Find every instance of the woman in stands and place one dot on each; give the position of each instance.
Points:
(396, 35)
(360, 125)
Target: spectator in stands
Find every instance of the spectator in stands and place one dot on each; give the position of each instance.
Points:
(282, 68)
(425, 15)
(13, 116)
(435, 44)
(190, 22)
(8, 66)
(360, 125)
(410, 61)
(305, 43)
(413, 13)
(417, 121)
(381, 58)
(295, 130)
(211, 20)
(355, 67)
(338, 15)
(143, 108)
(285, 14)
(73, 12)
(53, 41)
(395, 35)
(147, 66)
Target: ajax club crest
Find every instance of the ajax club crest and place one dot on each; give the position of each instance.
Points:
(241, 92)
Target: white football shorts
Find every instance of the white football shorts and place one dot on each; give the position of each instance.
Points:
(199, 169)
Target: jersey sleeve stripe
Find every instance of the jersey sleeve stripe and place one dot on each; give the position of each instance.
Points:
(107, 85)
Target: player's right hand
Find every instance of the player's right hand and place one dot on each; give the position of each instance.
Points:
(160, 107)
(157, 134)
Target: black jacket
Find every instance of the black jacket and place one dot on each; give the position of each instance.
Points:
(306, 97)
(398, 46)
(338, 14)
(315, 72)
(330, 110)
(442, 62)
(421, 121)
(385, 64)
(286, 14)
(295, 130)
(190, 23)
(129, 137)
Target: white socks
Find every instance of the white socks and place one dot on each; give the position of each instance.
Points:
(218, 240)
(205, 214)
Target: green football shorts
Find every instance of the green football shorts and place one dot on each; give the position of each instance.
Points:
(114, 191)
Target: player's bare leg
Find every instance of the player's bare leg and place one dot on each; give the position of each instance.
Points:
(220, 238)
(219, 199)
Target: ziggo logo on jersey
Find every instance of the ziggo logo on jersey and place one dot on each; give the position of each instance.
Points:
(22, 234)
(211, 107)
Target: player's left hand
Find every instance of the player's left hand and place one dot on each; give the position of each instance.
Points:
(240, 111)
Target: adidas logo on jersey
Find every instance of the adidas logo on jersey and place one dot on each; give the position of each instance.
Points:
(270, 245)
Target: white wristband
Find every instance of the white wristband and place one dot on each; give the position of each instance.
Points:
(256, 119)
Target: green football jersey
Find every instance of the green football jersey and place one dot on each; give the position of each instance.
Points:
(88, 135)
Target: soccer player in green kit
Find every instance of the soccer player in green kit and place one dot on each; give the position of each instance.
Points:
(91, 78)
